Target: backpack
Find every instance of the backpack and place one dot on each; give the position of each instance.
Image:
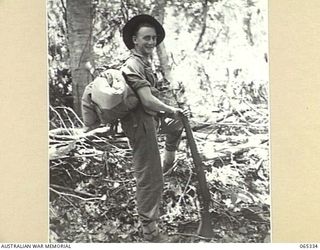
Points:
(107, 98)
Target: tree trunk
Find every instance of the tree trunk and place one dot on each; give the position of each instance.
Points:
(158, 13)
(247, 23)
(79, 20)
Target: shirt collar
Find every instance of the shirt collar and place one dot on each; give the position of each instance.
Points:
(135, 53)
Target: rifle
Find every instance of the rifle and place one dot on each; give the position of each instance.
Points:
(205, 227)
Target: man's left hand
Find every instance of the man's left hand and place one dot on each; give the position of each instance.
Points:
(184, 112)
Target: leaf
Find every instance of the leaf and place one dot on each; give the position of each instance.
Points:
(245, 198)
(84, 165)
(57, 152)
(234, 198)
(54, 238)
(251, 215)
(243, 230)
(101, 237)
(123, 236)
(267, 239)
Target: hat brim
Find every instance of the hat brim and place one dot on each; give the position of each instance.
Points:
(129, 28)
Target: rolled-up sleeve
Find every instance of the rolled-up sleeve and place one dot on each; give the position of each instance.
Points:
(134, 73)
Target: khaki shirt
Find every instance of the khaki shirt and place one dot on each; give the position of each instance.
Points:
(138, 73)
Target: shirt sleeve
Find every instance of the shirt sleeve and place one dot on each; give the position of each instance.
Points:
(133, 71)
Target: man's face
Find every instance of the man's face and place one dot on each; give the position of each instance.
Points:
(145, 40)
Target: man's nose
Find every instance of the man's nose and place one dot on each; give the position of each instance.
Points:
(153, 40)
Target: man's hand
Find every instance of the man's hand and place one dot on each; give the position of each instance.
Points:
(178, 112)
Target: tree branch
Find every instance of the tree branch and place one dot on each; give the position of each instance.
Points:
(82, 173)
(192, 235)
(75, 196)
(204, 24)
(124, 11)
(71, 190)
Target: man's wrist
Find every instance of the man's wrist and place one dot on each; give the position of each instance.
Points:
(172, 110)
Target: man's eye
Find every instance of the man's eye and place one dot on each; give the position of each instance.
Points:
(148, 38)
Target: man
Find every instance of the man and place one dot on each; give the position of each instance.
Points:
(141, 35)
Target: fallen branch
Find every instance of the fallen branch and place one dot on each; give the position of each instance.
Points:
(170, 169)
(75, 196)
(60, 118)
(74, 113)
(254, 109)
(185, 189)
(117, 181)
(71, 190)
(67, 200)
(82, 173)
(229, 151)
(87, 155)
(191, 235)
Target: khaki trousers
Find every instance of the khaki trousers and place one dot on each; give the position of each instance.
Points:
(141, 129)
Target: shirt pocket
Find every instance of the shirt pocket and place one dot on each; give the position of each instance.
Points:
(150, 76)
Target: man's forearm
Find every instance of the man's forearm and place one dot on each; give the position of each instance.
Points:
(153, 103)
(156, 105)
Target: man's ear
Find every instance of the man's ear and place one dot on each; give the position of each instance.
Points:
(134, 39)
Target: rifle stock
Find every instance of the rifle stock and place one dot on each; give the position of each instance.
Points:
(205, 227)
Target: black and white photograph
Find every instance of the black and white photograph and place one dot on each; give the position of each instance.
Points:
(159, 121)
